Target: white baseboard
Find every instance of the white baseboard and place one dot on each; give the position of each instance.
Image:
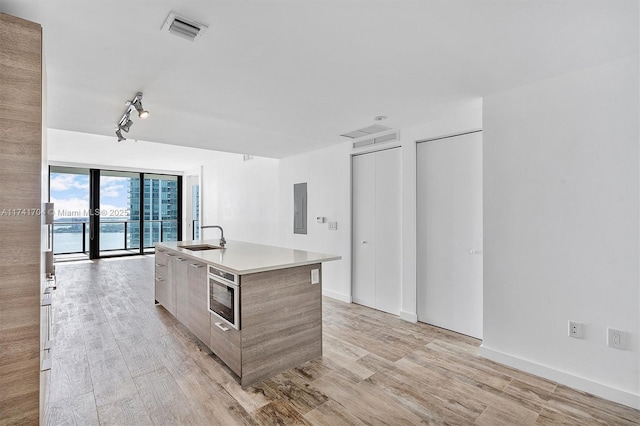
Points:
(338, 296)
(607, 392)
(408, 316)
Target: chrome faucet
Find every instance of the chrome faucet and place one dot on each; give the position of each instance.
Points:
(222, 240)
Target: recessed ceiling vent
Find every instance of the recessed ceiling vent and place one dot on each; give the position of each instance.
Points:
(185, 28)
(375, 128)
(372, 135)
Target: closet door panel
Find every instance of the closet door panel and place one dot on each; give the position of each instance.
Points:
(388, 231)
(376, 238)
(449, 216)
(363, 205)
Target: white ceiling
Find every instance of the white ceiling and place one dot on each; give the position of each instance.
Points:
(278, 77)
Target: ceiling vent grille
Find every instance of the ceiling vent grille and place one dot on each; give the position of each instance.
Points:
(375, 128)
(182, 27)
(387, 137)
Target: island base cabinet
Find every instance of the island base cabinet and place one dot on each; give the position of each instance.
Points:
(225, 342)
(280, 311)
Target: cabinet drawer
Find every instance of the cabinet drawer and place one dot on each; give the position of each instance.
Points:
(161, 271)
(226, 344)
(161, 260)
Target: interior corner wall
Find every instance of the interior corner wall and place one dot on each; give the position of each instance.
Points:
(561, 228)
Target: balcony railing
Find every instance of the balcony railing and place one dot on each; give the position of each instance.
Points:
(73, 237)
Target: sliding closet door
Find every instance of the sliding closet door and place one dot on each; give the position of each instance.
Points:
(449, 215)
(376, 230)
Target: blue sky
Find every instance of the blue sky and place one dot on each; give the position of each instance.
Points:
(70, 194)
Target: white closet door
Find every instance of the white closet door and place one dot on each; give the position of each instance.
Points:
(388, 230)
(449, 215)
(364, 225)
(376, 230)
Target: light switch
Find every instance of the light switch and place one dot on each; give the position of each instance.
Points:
(333, 226)
(315, 276)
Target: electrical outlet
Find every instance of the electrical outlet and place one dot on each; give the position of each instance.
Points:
(315, 276)
(575, 329)
(616, 338)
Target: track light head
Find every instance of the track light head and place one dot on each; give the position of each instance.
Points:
(137, 104)
(126, 126)
(119, 135)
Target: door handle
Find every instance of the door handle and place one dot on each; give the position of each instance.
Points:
(221, 327)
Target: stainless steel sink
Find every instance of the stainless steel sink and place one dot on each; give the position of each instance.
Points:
(200, 247)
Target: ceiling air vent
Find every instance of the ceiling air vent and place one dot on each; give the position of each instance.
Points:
(389, 136)
(375, 128)
(372, 135)
(185, 28)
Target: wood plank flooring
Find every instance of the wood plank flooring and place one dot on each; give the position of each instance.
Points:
(120, 360)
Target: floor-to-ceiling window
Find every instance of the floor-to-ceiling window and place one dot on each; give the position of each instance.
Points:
(69, 191)
(161, 209)
(118, 222)
(112, 213)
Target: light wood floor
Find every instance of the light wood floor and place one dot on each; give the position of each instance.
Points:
(120, 360)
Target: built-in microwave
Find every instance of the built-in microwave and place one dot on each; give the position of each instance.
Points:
(224, 296)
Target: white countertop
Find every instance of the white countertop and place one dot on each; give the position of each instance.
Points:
(248, 258)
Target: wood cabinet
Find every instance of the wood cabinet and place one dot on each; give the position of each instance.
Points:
(226, 343)
(162, 274)
(178, 288)
(281, 319)
(21, 266)
(181, 287)
(197, 305)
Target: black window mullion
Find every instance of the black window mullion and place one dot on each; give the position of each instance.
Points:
(179, 201)
(94, 213)
(142, 212)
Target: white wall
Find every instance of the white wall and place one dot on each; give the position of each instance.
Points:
(561, 226)
(242, 197)
(328, 176)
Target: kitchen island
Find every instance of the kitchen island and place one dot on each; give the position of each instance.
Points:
(257, 307)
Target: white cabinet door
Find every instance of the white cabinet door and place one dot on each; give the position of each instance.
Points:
(376, 230)
(449, 216)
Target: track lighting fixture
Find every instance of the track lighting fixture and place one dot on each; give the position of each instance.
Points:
(125, 122)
